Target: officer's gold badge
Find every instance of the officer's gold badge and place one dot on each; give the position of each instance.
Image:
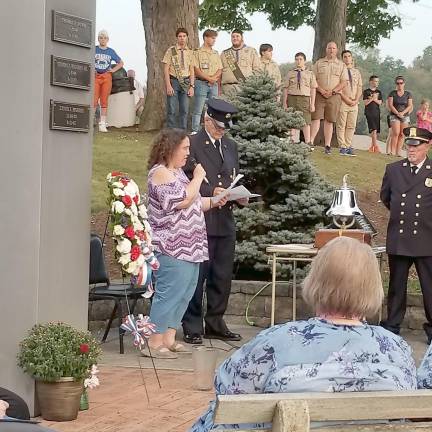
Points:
(428, 182)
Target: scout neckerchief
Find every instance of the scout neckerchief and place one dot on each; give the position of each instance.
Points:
(176, 66)
(233, 65)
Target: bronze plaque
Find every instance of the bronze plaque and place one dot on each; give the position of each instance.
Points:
(69, 116)
(72, 29)
(70, 73)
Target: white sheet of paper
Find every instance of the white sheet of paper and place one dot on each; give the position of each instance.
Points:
(234, 193)
(240, 192)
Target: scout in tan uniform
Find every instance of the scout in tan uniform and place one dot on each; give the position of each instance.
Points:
(179, 76)
(239, 62)
(299, 93)
(269, 65)
(348, 112)
(331, 78)
(208, 70)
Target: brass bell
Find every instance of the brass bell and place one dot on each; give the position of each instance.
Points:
(344, 206)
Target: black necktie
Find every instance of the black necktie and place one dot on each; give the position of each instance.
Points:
(218, 148)
(414, 170)
(182, 60)
(298, 78)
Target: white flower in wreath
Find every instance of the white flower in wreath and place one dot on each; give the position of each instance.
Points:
(133, 267)
(138, 226)
(118, 230)
(118, 207)
(124, 246)
(134, 209)
(131, 188)
(119, 185)
(128, 212)
(118, 192)
(143, 211)
(147, 226)
(109, 177)
(125, 259)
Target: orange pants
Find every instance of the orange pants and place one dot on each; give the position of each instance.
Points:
(102, 89)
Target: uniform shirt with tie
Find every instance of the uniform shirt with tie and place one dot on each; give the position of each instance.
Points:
(407, 192)
(353, 88)
(300, 82)
(216, 144)
(186, 59)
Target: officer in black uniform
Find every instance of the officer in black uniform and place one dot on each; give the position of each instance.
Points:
(218, 156)
(407, 192)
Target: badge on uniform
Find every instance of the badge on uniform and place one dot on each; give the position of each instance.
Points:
(428, 182)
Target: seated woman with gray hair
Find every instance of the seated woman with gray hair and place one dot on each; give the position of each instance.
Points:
(336, 350)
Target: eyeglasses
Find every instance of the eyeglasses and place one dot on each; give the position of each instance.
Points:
(221, 128)
(400, 82)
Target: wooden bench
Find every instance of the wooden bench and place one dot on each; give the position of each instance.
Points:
(293, 412)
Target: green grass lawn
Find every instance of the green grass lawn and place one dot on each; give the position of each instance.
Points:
(365, 170)
(118, 150)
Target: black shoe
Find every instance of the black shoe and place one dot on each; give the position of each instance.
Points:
(228, 335)
(193, 338)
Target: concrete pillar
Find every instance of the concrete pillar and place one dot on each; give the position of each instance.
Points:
(45, 178)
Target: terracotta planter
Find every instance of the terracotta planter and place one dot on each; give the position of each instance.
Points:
(59, 400)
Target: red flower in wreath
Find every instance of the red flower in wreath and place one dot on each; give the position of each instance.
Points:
(116, 173)
(135, 252)
(124, 181)
(136, 199)
(127, 200)
(129, 232)
(84, 348)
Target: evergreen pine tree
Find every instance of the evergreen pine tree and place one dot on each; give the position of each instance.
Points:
(293, 195)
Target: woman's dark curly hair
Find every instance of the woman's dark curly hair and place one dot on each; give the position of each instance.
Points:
(164, 146)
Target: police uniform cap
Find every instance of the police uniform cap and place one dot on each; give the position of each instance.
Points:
(415, 136)
(221, 112)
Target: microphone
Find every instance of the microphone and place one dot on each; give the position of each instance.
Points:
(195, 163)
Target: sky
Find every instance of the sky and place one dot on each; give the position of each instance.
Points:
(122, 20)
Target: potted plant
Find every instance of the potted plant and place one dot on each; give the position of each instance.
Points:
(58, 357)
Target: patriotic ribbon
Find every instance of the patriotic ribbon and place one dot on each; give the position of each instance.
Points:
(140, 328)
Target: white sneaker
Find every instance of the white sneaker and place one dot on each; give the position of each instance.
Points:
(102, 127)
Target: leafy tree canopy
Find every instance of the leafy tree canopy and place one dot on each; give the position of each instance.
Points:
(367, 20)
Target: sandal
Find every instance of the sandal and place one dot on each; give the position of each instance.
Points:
(177, 347)
(160, 352)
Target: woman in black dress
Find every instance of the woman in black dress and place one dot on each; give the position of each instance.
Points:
(372, 99)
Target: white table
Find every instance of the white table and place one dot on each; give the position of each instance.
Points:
(297, 253)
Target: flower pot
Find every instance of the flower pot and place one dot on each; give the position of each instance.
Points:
(59, 400)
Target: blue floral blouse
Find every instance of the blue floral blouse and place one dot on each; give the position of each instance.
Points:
(316, 355)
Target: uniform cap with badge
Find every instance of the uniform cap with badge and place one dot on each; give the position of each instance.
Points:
(221, 112)
(416, 136)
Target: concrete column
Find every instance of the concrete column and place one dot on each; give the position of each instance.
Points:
(45, 178)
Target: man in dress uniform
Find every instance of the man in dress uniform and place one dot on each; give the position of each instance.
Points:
(239, 61)
(218, 156)
(407, 192)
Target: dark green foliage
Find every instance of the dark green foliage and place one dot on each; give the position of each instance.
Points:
(367, 20)
(55, 350)
(294, 196)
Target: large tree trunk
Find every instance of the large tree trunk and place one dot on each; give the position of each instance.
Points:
(330, 25)
(161, 18)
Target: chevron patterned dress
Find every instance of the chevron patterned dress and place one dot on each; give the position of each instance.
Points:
(180, 233)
